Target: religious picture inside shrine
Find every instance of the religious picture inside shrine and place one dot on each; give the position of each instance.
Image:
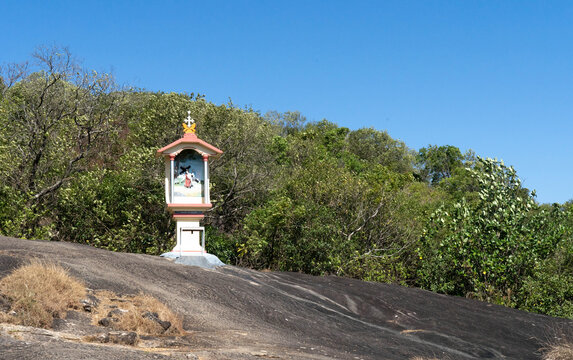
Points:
(189, 178)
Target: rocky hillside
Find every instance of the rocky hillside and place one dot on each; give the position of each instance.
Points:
(235, 313)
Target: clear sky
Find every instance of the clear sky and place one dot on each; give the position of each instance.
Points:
(492, 76)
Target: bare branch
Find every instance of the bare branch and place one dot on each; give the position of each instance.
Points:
(10, 74)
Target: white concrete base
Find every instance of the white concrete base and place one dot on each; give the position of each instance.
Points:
(207, 261)
(190, 238)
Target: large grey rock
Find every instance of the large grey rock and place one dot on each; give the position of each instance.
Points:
(240, 314)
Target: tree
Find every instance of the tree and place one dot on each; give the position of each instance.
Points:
(327, 215)
(246, 172)
(486, 248)
(52, 124)
(378, 147)
(440, 162)
(289, 122)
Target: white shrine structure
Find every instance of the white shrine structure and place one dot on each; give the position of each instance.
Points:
(187, 188)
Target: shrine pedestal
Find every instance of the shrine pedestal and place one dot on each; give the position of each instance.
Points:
(190, 237)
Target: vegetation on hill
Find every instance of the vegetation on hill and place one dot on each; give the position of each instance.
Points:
(77, 163)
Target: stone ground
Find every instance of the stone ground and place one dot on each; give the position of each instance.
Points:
(236, 313)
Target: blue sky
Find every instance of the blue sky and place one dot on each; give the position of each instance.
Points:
(492, 76)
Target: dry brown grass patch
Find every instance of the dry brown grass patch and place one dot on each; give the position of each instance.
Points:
(38, 293)
(561, 351)
(129, 314)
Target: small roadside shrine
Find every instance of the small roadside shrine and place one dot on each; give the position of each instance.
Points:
(187, 188)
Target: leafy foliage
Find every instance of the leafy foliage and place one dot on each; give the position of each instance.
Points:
(116, 211)
(485, 249)
(378, 147)
(549, 289)
(439, 162)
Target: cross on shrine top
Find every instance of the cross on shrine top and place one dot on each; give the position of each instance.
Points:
(189, 121)
(189, 124)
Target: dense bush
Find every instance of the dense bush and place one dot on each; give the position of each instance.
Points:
(549, 289)
(487, 248)
(114, 210)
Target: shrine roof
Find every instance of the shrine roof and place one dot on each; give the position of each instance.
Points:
(189, 141)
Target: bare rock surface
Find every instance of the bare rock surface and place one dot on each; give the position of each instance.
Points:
(235, 313)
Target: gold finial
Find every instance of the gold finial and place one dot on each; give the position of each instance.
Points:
(189, 124)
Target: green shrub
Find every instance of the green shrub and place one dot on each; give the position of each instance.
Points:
(224, 246)
(117, 211)
(550, 289)
(487, 248)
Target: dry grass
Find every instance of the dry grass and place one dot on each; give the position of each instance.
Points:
(130, 311)
(560, 348)
(35, 294)
(559, 344)
(562, 351)
(38, 293)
